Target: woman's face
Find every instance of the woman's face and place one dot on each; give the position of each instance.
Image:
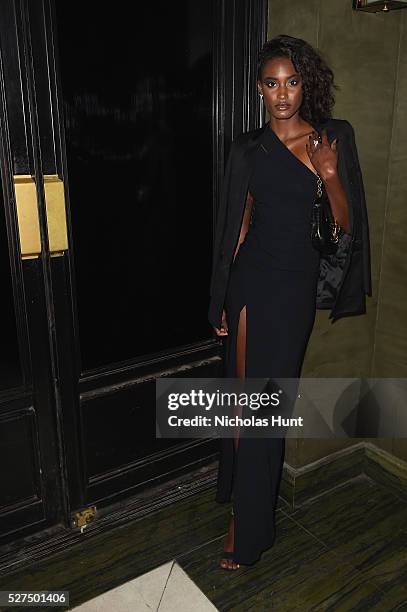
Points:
(281, 87)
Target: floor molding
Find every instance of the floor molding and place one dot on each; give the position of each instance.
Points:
(300, 485)
(386, 469)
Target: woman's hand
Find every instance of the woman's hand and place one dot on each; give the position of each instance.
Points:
(223, 331)
(323, 155)
(324, 158)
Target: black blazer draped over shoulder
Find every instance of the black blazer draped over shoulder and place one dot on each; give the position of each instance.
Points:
(344, 278)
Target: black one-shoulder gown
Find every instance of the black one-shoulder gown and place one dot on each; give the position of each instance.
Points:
(275, 276)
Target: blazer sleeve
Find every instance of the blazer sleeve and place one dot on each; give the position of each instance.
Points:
(221, 217)
(363, 211)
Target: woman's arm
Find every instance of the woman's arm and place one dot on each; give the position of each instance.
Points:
(324, 158)
(245, 222)
(338, 200)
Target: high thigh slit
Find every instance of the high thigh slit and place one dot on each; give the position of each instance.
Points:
(273, 280)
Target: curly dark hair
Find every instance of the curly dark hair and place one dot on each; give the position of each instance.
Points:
(317, 78)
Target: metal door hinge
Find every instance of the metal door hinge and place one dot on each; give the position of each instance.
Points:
(83, 517)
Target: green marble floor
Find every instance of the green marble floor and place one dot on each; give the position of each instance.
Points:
(345, 551)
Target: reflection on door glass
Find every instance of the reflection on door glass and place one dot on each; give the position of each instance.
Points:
(137, 97)
(10, 365)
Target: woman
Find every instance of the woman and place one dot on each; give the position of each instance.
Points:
(267, 278)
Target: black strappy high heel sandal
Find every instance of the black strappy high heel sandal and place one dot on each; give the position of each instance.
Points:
(228, 555)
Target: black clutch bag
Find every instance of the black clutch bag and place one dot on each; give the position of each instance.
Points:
(325, 231)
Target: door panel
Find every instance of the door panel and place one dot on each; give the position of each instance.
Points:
(137, 94)
(138, 172)
(11, 374)
(23, 482)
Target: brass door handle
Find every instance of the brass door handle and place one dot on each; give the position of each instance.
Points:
(27, 215)
(56, 214)
(28, 220)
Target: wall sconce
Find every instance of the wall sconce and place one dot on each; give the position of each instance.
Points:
(374, 6)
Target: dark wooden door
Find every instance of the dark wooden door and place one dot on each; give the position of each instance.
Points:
(31, 461)
(115, 123)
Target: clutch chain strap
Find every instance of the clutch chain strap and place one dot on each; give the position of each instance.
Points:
(335, 225)
(319, 186)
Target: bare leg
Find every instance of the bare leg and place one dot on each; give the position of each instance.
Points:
(240, 373)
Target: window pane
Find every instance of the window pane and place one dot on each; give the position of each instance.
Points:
(137, 95)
